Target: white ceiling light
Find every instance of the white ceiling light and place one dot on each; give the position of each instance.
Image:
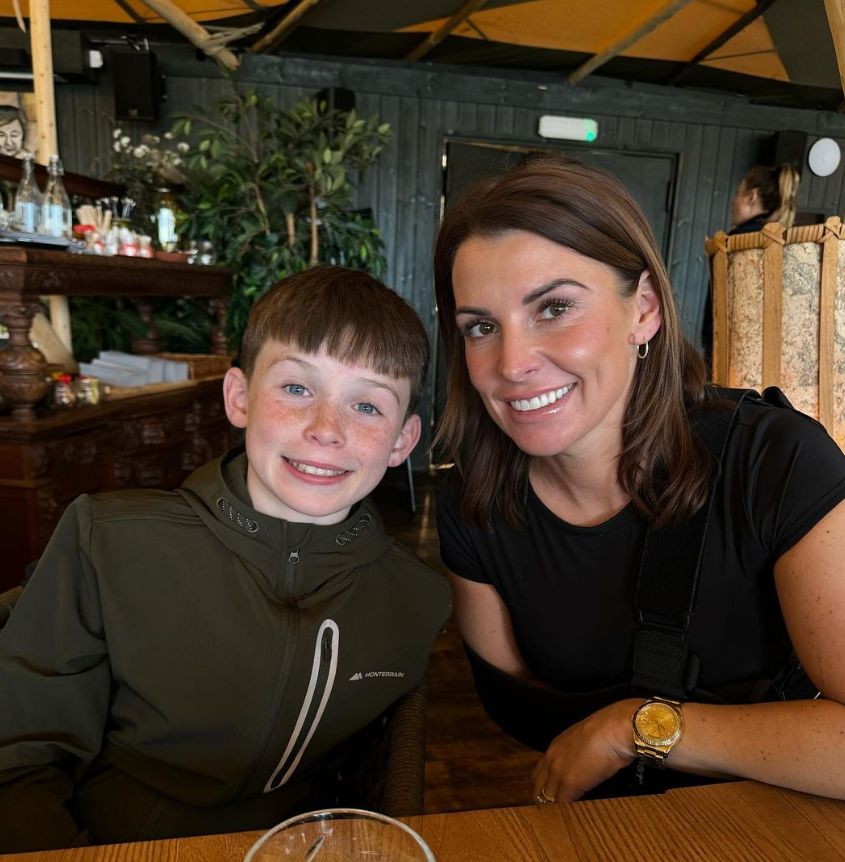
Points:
(824, 157)
(568, 128)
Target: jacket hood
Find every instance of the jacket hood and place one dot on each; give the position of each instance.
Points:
(218, 494)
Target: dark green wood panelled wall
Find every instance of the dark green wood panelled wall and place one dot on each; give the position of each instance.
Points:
(717, 137)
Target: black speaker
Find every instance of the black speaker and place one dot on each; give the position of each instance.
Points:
(337, 99)
(786, 147)
(137, 85)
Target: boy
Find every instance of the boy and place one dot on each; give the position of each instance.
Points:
(192, 661)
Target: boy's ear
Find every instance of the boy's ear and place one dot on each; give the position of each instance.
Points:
(235, 392)
(408, 437)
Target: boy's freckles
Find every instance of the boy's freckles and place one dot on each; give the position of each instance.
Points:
(320, 433)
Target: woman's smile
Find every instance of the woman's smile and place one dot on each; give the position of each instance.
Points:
(544, 399)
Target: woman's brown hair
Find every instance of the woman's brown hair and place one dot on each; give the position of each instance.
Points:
(662, 467)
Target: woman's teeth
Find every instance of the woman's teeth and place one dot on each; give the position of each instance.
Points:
(314, 471)
(539, 401)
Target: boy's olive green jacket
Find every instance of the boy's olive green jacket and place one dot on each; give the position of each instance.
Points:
(181, 664)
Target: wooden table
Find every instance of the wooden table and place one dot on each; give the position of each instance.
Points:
(737, 821)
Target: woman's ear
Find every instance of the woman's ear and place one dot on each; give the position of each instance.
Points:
(235, 396)
(408, 437)
(648, 316)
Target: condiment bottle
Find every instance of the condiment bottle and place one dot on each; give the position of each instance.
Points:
(56, 214)
(27, 198)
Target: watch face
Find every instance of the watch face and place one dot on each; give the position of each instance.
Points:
(657, 724)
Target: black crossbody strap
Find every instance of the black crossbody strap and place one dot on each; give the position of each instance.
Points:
(668, 578)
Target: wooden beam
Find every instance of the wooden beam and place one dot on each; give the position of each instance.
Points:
(270, 41)
(737, 27)
(195, 33)
(444, 30)
(632, 38)
(41, 44)
(836, 20)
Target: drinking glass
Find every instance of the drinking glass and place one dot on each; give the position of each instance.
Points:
(340, 835)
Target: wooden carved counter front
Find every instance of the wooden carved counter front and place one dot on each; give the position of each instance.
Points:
(146, 441)
(149, 440)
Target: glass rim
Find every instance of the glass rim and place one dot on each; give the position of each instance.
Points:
(348, 813)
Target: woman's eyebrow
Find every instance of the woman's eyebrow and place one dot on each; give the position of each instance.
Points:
(530, 297)
(549, 286)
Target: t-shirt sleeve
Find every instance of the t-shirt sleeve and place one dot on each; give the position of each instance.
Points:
(457, 549)
(796, 475)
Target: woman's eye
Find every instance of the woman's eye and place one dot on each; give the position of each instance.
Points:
(367, 408)
(295, 389)
(555, 308)
(479, 328)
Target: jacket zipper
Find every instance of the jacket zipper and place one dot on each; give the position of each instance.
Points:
(320, 685)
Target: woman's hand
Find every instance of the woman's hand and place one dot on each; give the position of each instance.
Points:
(587, 753)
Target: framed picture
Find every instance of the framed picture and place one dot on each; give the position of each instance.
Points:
(18, 129)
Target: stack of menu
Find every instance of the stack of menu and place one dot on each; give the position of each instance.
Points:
(127, 369)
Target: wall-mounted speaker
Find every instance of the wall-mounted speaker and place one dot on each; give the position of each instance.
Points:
(786, 147)
(337, 99)
(137, 85)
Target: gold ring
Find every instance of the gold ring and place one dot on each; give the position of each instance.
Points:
(542, 799)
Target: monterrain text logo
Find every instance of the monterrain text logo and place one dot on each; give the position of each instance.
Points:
(377, 674)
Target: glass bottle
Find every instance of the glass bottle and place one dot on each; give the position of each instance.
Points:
(166, 208)
(56, 216)
(27, 197)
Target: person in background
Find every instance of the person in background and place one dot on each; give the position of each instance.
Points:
(196, 661)
(764, 195)
(581, 430)
(12, 131)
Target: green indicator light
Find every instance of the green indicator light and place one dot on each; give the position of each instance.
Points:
(591, 135)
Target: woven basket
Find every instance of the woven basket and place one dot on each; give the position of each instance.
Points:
(779, 315)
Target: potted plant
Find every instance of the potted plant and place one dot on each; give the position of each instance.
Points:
(271, 190)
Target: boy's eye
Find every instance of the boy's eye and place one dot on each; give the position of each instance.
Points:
(367, 408)
(555, 308)
(295, 389)
(478, 328)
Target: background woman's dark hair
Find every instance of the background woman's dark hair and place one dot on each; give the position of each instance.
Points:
(663, 467)
(776, 188)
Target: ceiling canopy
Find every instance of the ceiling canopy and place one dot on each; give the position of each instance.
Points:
(775, 51)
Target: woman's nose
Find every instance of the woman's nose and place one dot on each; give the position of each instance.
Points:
(325, 426)
(518, 357)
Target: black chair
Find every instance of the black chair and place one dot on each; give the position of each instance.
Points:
(385, 770)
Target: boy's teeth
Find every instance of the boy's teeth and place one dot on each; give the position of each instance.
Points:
(314, 471)
(539, 401)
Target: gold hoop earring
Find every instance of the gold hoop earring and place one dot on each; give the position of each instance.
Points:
(642, 350)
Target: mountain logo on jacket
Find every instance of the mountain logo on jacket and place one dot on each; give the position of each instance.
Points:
(377, 674)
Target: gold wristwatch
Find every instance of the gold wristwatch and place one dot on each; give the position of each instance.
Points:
(658, 725)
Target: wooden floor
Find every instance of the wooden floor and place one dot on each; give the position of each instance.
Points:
(470, 763)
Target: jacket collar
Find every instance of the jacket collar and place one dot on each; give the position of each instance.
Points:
(218, 494)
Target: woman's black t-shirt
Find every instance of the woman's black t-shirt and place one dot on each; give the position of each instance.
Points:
(570, 590)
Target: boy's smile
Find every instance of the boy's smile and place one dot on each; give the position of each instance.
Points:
(320, 433)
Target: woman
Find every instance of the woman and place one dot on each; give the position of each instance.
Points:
(764, 195)
(572, 396)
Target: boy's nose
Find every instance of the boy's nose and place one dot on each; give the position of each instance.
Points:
(517, 355)
(325, 427)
